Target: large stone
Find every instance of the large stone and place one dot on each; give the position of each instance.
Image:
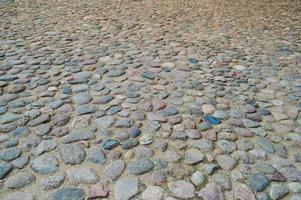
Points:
(141, 166)
(68, 193)
(211, 191)
(19, 180)
(113, 170)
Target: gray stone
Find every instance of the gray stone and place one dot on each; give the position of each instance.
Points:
(78, 136)
(181, 189)
(141, 166)
(45, 164)
(97, 155)
(72, 153)
(82, 175)
(10, 154)
(4, 169)
(44, 146)
(113, 170)
(258, 182)
(19, 180)
(52, 182)
(126, 188)
(68, 193)
(278, 191)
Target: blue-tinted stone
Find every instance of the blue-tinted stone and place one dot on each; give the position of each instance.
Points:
(11, 143)
(10, 154)
(113, 110)
(20, 131)
(169, 112)
(67, 90)
(135, 132)
(193, 60)
(110, 144)
(264, 112)
(212, 120)
(149, 75)
(85, 109)
(66, 193)
(4, 169)
(258, 182)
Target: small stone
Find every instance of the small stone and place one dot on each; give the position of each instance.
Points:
(149, 75)
(110, 144)
(135, 132)
(141, 166)
(212, 120)
(181, 189)
(126, 188)
(170, 111)
(52, 182)
(146, 139)
(152, 193)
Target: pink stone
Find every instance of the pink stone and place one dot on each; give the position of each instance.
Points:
(210, 135)
(194, 134)
(98, 190)
(158, 105)
(243, 192)
(174, 119)
(211, 191)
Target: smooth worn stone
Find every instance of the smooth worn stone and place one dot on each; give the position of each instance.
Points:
(98, 190)
(258, 182)
(82, 175)
(211, 191)
(149, 75)
(19, 196)
(141, 166)
(193, 156)
(8, 117)
(152, 193)
(278, 191)
(70, 193)
(21, 132)
(265, 144)
(265, 168)
(5, 168)
(222, 180)
(96, 155)
(134, 132)
(39, 120)
(169, 111)
(226, 162)
(113, 110)
(78, 136)
(126, 188)
(104, 99)
(113, 170)
(110, 144)
(44, 146)
(203, 144)
(181, 189)
(129, 144)
(45, 164)
(85, 109)
(105, 122)
(249, 123)
(243, 192)
(198, 178)
(53, 181)
(72, 153)
(10, 154)
(123, 123)
(42, 129)
(19, 180)
(226, 146)
(82, 98)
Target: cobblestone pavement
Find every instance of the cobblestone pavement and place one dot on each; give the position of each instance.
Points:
(167, 99)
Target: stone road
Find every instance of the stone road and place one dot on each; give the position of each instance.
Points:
(167, 99)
